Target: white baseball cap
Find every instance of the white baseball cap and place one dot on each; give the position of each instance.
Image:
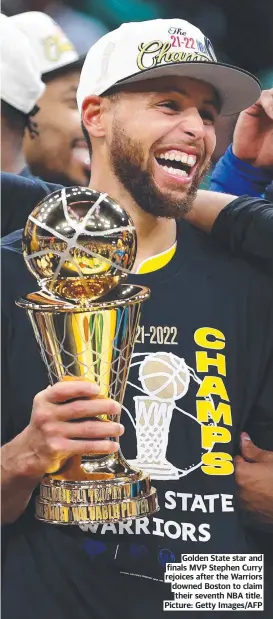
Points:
(21, 84)
(53, 49)
(161, 47)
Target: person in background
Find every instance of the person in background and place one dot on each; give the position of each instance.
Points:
(246, 168)
(21, 87)
(247, 165)
(82, 29)
(57, 151)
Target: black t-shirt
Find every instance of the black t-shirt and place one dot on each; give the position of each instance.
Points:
(19, 196)
(269, 192)
(26, 173)
(209, 323)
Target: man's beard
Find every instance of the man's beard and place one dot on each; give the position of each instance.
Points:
(127, 158)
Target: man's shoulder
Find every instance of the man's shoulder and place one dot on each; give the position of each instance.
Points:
(26, 173)
(26, 181)
(12, 243)
(19, 196)
(21, 191)
(16, 278)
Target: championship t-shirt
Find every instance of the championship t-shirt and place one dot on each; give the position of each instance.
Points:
(201, 372)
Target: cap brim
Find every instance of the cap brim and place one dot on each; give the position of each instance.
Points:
(71, 66)
(236, 88)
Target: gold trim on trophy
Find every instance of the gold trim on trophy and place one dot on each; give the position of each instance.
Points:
(81, 245)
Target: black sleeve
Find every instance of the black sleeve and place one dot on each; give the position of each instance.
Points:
(6, 424)
(246, 227)
(19, 196)
(260, 430)
(260, 422)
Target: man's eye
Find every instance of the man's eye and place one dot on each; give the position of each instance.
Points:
(170, 105)
(208, 117)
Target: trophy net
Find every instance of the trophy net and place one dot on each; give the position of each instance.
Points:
(95, 346)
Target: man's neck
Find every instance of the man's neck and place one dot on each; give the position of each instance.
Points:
(12, 156)
(154, 234)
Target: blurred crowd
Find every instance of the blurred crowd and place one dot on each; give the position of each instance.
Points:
(236, 41)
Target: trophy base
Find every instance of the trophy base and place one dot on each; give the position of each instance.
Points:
(92, 500)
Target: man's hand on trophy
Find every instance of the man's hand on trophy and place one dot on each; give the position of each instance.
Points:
(52, 438)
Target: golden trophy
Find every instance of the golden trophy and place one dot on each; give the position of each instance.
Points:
(81, 245)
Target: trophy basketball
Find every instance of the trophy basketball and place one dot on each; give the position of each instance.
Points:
(80, 245)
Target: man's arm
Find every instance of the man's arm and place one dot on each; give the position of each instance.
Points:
(50, 439)
(244, 225)
(254, 467)
(236, 176)
(207, 206)
(247, 166)
(18, 480)
(254, 477)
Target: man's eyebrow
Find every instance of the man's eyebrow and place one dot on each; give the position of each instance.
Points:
(214, 101)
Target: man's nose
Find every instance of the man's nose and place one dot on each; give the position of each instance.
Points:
(193, 125)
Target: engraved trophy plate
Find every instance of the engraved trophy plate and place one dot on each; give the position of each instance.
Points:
(81, 245)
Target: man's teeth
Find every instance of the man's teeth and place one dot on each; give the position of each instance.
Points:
(175, 171)
(189, 160)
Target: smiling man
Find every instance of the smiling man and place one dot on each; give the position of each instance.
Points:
(159, 170)
(56, 151)
(149, 95)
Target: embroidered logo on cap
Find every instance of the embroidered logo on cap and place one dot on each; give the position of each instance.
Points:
(179, 48)
(56, 45)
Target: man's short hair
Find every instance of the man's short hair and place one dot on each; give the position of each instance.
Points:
(15, 119)
(87, 139)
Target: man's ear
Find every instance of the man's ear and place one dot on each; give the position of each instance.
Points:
(93, 116)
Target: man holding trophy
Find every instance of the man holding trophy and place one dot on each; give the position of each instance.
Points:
(200, 371)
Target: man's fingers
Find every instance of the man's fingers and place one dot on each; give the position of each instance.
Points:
(254, 110)
(266, 101)
(249, 451)
(252, 453)
(238, 460)
(264, 105)
(85, 448)
(68, 390)
(92, 429)
(88, 408)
